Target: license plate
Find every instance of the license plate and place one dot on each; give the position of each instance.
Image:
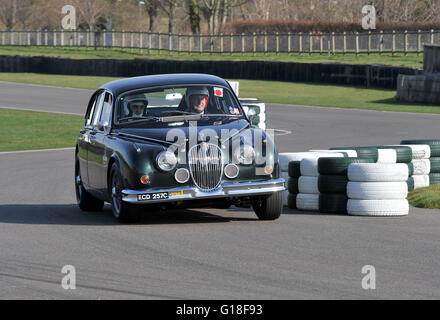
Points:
(153, 196)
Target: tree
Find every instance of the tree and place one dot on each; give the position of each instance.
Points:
(14, 13)
(91, 11)
(194, 16)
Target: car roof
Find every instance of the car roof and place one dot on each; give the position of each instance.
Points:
(123, 85)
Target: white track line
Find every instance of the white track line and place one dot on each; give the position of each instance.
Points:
(40, 110)
(37, 150)
(44, 86)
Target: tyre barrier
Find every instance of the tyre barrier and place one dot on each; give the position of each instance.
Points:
(377, 189)
(363, 181)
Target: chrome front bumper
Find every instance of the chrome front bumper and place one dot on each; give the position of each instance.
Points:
(192, 193)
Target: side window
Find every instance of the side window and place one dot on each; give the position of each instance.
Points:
(90, 111)
(106, 109)
(98, 108)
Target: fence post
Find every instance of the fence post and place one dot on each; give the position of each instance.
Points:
(232, 43)
(131, 41)
(369, 42)
(406, 43)
(149, 43)
(265, 43)
(357, 43)
(432, 36)
(310, 43)
(333, 43)
(112, 38)
(221, 43)
(200, 44)
(141, 41)
(381, 43)
(178, 44)
(277, 48)
(394, 42)
(211, 44)
(242, 44)
(345, 42)
(190, 44)
(160, 41)
(29, 39)
(419, 42)
(123, 39)
(300, 44)
(254, 41)
(289, 43)
(170, 43)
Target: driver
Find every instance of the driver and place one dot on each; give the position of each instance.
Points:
(197, 99)
(138, 108)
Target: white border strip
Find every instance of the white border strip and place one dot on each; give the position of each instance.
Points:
(37, 150)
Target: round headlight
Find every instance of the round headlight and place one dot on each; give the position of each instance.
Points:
(244, 154)
(166, 161)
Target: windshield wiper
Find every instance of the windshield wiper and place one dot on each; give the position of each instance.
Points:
(176, 112)
(137, 119)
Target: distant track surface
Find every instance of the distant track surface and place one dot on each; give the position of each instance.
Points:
(209, 253)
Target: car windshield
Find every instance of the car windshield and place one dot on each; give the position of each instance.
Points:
(178, 103)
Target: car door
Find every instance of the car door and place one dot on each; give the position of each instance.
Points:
(97, 154)
(84, 140)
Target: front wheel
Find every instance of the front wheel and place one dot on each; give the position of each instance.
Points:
(123, 212)
(268, 207)
(85, 200)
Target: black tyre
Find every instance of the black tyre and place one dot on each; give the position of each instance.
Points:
(85, 200)
(291, 201)
(339, 166)
(294, 169)
(292, 185)
(362, 152)
(410, 183)
(268, 207)
(332, 184)
(435, 164)
(434, 144)
(333, 203)
(124, 212)
(434, 178)
(410, 169)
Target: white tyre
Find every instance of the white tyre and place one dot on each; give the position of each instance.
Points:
(387, 156)
(350, 153)
(309, 166)
(285, 158)
(309, 202)
(377, 190)
(421, 166)
(378, 207)
(308, 185)
(378, 172)
(419, 151)
(421, 181)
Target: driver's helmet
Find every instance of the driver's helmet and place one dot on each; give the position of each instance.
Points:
(196, 91)
(137, 107)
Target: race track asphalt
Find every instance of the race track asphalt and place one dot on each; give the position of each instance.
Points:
(208, 253)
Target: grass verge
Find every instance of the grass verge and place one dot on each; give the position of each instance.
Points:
(398, 59)
(30, 130)
(428, 197)
(267, 91)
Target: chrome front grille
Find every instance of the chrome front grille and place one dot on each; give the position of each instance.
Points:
(205, 166)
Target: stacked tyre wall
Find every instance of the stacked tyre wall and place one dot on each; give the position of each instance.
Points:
(370, 181)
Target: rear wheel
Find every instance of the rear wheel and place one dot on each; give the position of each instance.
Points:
(268, 207)
(85, 200)
(123, 212)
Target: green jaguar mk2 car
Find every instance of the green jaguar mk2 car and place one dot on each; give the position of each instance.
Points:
(175, 140)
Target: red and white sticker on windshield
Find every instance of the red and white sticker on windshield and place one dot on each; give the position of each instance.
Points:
(218, 92)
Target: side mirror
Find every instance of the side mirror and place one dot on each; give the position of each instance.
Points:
(251, 114)
(102, 126)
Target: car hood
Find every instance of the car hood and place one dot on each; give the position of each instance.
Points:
(164, 134)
